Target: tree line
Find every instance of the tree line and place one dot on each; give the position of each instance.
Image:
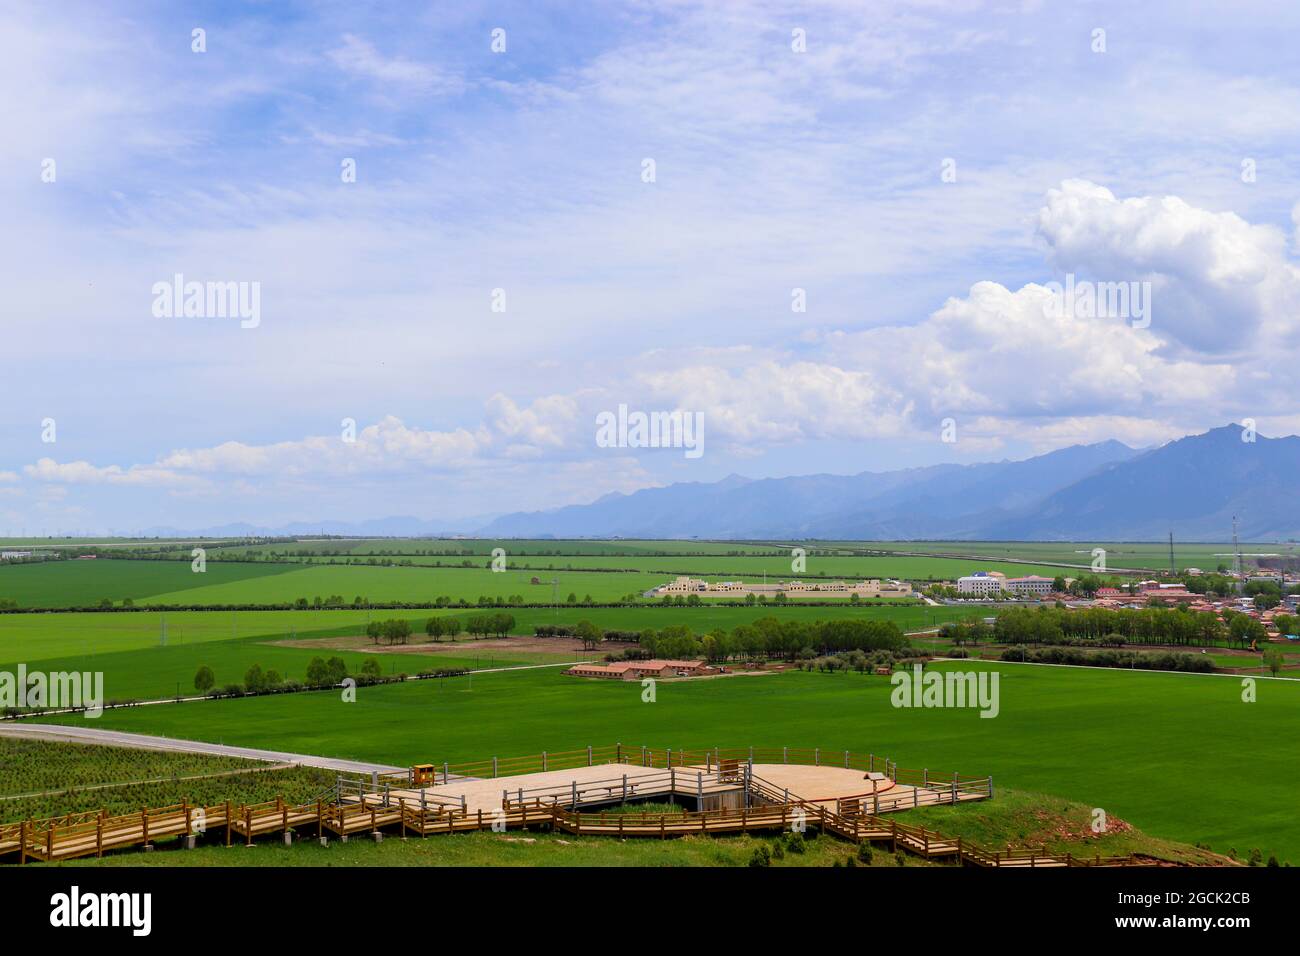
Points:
(1051, 625)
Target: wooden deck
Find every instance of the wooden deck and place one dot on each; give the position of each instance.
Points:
(732, 791)
(603, 783)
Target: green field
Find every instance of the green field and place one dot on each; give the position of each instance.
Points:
(1150, 554)
(29, 637)
(748, 567)
(1160, 751)
(1180, 756)
(55, 584)
(421, 570)
(166, 672)
(128, 646)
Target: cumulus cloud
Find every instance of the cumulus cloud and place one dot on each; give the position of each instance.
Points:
(388, 446)
(999, 360)
(1219, 282)
(83, 472)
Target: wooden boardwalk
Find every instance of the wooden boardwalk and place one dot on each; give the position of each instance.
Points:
(734, 791)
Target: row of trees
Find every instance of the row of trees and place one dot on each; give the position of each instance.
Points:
(771, 638)
(320, 673)
(1159, 660)
(395, 630)
(1051, 625)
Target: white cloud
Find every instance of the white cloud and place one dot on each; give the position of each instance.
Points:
(83, 472)
(1219, 281)
(359, 57)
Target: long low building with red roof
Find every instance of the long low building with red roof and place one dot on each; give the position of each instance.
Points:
(639, 670)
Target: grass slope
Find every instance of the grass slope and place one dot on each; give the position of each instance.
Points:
(1180, 756)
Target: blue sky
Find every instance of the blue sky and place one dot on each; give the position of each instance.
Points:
(522, 171)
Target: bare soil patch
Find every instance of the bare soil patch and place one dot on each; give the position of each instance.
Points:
(522, 645)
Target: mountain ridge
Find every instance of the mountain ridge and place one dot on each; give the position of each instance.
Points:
(1193, 486)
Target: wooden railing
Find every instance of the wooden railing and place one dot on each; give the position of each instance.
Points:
(373, 806)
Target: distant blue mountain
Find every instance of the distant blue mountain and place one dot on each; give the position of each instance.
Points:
(1102, 492)
(1192, 487)
(948, 501)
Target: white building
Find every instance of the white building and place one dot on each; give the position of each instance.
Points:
(1031, 584)
(983, 584)
(794, 590)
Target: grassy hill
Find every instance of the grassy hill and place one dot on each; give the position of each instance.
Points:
(1162, 751)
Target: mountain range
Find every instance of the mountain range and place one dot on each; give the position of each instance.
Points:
(1104, 491)
(1107, 491)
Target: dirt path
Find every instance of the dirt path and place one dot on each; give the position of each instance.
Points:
(117, 738)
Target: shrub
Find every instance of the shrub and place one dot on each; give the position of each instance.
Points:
(762, 856)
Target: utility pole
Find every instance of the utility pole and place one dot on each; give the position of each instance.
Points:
(1236, 547)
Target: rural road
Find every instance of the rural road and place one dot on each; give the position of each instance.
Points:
(116, 738)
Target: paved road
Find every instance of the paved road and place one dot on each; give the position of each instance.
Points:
(116, 738)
